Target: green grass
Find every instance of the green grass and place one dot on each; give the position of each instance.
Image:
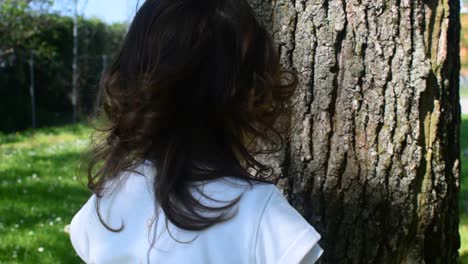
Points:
(464, 93)
(39, 193)
(463, 228)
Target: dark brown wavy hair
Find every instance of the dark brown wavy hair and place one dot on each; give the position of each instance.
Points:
(195, 86)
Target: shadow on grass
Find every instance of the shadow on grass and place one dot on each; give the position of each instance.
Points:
(463, 258)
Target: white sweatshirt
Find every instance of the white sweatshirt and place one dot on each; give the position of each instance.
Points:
(265, 229)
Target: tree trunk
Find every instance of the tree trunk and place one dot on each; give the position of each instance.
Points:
(75, 91)
(372, 159)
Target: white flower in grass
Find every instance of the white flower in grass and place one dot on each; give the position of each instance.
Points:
(40, 249)
(30, 233)
(16, 225)
(66, 229)
(19, 180)
(51, 223)
(58, 219)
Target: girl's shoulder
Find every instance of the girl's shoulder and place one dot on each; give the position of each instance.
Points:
(264, 222)
(278, 232)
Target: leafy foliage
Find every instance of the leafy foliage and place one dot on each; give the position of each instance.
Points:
(28, 27)
(464, 40)
(19, 26)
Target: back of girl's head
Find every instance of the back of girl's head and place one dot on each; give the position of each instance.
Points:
(195, 85)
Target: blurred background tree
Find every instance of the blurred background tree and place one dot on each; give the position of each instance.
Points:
(29, 26)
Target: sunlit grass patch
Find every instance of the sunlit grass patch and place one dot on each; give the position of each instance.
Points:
(464, 93)
(463, 228)
(40, 193)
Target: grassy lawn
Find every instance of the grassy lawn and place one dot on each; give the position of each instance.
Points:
(464, 191)
(464, 87)
(39, 193)
(464, 93)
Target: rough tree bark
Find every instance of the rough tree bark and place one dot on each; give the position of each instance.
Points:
(372, 158)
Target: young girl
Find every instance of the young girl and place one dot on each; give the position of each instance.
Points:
(195, 87)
